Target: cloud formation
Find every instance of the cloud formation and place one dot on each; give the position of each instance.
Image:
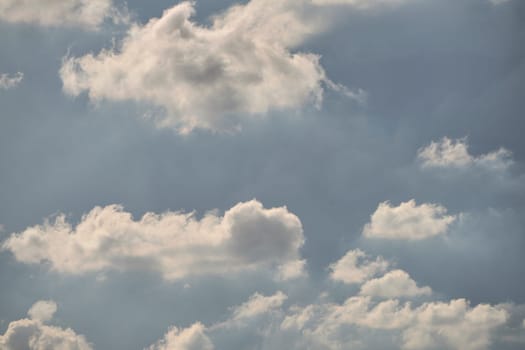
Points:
(357, 267)
(448, 153)
(33, 334)
(359, 323)
(394, 284)
(8, 81)
(241, 66)
(86, 14)
(174, 244)
(408, 221)
(191, 338)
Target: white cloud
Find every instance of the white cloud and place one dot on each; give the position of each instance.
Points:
(87, 14)
(259, 304)
(408, 221)
(358, 323)
(175, 244)
(356, 267)
(42, 310)
(33, 334)
(8, 81)
(241, 66)
(192, 338)
(448, 153)
(394, 284)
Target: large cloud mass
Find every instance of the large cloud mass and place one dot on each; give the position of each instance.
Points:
(175, 244)
(207, 77)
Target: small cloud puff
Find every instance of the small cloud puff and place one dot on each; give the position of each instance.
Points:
(8, 81)
(33, 334)
(408, 221)
(448, 153)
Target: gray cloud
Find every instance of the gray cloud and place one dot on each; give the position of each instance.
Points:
(8, 81)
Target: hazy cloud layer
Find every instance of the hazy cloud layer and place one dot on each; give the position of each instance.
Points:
(87, 14)
(174, 244)
(9, 81)
(33, 334)
(408, 221)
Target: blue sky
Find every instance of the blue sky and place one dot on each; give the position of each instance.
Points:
(296, 174)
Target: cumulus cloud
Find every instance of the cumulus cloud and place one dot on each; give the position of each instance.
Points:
(87, 14)
(356, 267)
(243, 65)
(258, 304)
(357, 323)
(42, 310)
(448, 153)
(192, 338)
(408, 221)
(8, 81)
(394, 284)
(33, 334)
(174, 244)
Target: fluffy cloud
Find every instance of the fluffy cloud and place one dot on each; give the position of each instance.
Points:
(192, 338)
(448, 153)
(357, 323)
(174, 244)
(259, 304)
(33, 334)
(394, 284)
(87, 14)
(241, 66)
(356, 267)
(42, 310)
(408, 221)
(8, 81)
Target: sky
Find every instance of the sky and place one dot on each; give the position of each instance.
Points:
(262, 174)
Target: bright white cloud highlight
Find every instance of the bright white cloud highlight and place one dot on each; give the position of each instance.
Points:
(87, 14)
(8, 81)
(356, 267)
(33, 334)
(408, 221)
(241, 66)
(175, 244)
(448, 153)
(394, 284)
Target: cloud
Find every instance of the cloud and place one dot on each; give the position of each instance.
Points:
(360, 323)
(42, 310)
(448, 153)
(10, 81)
(243, 65)
(408, 221)
(86, 14)
(394, 284)
(356, 267)
(33, 334)
(259, 304)
(192, 338)
(174, 244)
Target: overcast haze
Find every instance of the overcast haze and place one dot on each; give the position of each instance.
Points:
(263, 174)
